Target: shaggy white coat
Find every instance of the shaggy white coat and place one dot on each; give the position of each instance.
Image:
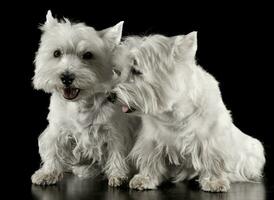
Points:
(86, 135)
(187, 130)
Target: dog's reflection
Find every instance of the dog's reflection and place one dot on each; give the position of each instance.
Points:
(238, 191)
(72, 188)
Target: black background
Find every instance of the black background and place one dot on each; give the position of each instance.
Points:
(234, 44)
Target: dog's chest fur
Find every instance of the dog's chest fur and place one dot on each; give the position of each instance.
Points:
(84, 128)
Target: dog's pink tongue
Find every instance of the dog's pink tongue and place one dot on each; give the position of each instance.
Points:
(125, 108)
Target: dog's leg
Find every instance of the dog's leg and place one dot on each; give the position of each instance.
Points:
(222, 164)
(214, 183)
(211, 162)
(116, 167)
(51, 170)
(150, 163)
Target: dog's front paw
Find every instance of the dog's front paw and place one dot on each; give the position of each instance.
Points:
(141, 182)
(116, 181)
(217, 185)
(42, 178)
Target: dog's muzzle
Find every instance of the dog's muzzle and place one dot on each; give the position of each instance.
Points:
(69, 92)
(112, 97)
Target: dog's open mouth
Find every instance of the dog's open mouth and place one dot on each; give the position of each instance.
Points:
(126, 109)
(70, 93)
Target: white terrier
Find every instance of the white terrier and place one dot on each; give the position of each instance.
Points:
(187, 130)
(86, 133)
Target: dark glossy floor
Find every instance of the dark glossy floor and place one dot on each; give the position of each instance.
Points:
(73, 188)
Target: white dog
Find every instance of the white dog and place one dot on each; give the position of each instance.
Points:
(86, 133)
(187, 130)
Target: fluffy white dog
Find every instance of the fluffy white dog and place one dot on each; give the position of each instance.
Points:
(187, 130)
(86, 133)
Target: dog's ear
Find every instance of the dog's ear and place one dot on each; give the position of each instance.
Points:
(112, 35)
(185, 46)
(50, 21)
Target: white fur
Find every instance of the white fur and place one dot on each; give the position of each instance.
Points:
(187, 130)
(86, 135)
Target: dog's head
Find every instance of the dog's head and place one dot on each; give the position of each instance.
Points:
(73, 59)
(153, 72)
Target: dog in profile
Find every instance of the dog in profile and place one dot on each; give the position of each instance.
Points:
(187, 130)
(86, 134)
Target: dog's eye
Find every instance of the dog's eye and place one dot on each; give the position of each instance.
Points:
(87, 56)
(135, 72)
(116, 71)
(57, 53)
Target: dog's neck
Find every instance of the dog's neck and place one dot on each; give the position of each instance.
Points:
(192, 103)
(185, 101)
(83, 113)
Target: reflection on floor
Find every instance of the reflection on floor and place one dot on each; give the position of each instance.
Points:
(74, 188)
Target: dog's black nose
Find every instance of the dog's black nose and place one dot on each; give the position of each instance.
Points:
(67, 78)
(112, 97)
